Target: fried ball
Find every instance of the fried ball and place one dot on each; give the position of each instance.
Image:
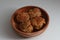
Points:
(34, 12)
(25, 24)
(27, 29)
(38, 22)
(21, 17)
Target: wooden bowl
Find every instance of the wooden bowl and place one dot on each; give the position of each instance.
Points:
(45, 15)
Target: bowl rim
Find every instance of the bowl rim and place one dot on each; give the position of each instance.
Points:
(31, 32)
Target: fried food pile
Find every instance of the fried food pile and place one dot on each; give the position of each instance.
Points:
(30, 20)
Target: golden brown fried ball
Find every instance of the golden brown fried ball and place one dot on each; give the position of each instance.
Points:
(21, 17)
(38, 22)
(34, 12)
(26, 26)
(26, 29)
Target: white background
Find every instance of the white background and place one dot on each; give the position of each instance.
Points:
(8, 7)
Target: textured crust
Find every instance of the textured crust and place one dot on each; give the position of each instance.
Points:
(21, 17)
(38, 22)
(27, 29)
(34, 12)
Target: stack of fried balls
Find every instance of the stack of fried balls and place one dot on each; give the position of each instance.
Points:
(30, 20)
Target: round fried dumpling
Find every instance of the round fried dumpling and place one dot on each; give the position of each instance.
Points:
(21, 17)
(26, 26)
(34, 12)
(38, 22)
(26, 29)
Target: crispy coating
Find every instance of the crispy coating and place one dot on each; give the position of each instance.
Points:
(27, 29)
(34, 12)
(25, 24)
(38, 22)
(21, 17)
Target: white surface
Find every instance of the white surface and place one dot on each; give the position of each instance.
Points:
(8, 7)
